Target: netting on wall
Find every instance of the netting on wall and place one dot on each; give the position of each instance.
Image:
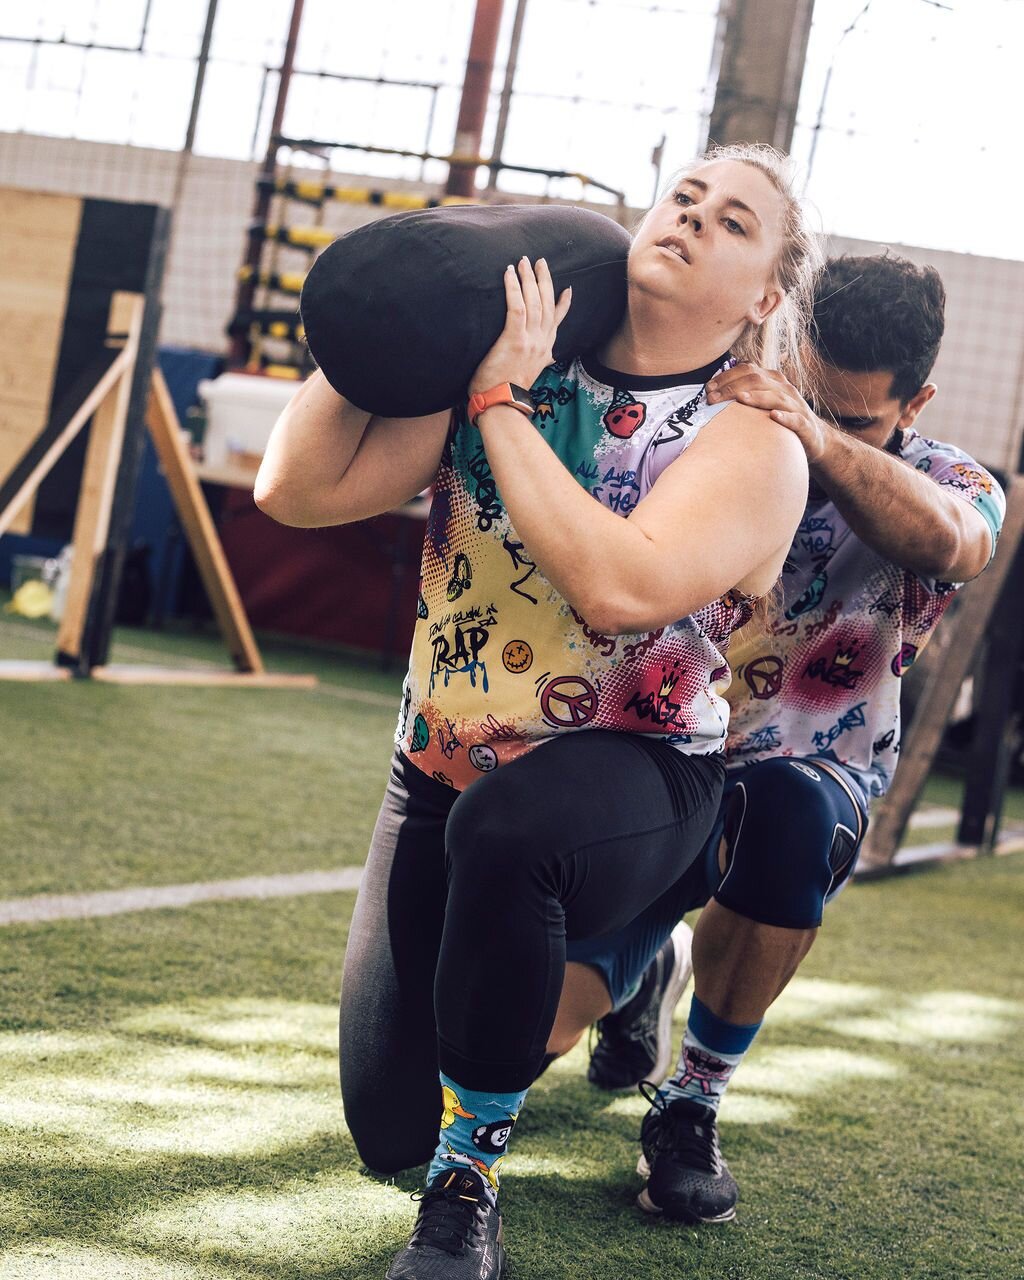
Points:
(108, 72)
(908, 121)
(599, 84)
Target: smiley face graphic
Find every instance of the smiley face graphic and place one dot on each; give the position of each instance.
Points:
(517, 656)
(483, 757)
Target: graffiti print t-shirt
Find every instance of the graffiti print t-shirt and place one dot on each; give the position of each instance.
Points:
(828, 679)
(500, 660)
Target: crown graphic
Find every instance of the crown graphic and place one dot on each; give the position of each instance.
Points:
(668, 686)
(844, 657)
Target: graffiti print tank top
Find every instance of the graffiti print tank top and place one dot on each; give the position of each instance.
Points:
(501, 662)
(827, 679)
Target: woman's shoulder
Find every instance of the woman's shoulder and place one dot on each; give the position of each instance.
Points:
(750, 444)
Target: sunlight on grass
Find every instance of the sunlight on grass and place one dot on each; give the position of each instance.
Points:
(869, 1013)
(64, 1260)
(953, 1017)
(302, 1223)
(631, 1104)
(811, 999)
(522, 1163)
(803, 1072)
(741, 1109)
(184, 1123)
(244, 1022)
(40, 1046)
(175, 1100)
(746, 1108)
(282, 1069)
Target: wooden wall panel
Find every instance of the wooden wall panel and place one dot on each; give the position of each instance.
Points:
(38, 240)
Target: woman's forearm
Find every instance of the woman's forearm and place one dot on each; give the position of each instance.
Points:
(576, 542)
(684, 544)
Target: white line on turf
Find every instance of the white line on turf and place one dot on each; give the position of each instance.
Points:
(81, 906)
(926, 817)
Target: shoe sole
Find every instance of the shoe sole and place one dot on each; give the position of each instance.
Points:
(682, 969)
(647, 1205)
(500, 1274)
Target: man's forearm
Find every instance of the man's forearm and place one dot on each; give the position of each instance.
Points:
(896, 510)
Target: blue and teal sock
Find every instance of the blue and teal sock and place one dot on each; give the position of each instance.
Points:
(475, 1129)
(712, 1050)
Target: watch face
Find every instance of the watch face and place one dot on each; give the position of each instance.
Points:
(521, 394)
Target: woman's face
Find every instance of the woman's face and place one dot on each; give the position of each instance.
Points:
(712, 243)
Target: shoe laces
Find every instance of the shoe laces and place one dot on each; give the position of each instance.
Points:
(685, 1131)
(448, 1217)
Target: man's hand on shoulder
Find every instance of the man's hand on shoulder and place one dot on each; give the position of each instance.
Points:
(771, 391)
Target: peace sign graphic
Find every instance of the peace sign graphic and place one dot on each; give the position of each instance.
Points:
(764, 676)
(568, 702)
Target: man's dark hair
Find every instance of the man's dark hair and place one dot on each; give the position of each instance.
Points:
(880, 313)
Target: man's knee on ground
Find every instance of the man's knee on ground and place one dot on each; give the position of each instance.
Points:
(784, 849)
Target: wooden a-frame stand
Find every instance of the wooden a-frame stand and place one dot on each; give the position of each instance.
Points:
(990, 610)
(103, 395)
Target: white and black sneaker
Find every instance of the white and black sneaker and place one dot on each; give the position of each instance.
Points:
(457, 1234)
(687, 1179)
(635, 1042)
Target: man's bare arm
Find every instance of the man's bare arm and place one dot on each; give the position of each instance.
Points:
(897, 511)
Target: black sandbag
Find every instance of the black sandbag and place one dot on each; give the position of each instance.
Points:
(399, 313)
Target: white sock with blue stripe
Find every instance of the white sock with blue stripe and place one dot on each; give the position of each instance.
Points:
(712, 1050)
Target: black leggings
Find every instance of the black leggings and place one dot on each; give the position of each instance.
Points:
(457, 950)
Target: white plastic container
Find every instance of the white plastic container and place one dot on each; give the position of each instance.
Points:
(241, 409)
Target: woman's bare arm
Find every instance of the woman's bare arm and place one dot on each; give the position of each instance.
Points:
(328, 462)
(722, 515)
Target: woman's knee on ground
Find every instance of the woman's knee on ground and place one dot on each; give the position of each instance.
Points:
(392, 1130)
(390, 1148)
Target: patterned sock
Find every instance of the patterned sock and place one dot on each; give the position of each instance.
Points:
(712, 1050)
(475, 1129)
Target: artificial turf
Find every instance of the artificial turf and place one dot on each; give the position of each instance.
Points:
(168, 1097)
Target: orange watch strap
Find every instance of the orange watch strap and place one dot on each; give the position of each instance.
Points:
(500, 394)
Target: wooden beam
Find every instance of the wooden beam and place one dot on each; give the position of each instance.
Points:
(199, 528)
(99, 475)
(979, 598)
(757, 68)
(76, 409)
(996, 734)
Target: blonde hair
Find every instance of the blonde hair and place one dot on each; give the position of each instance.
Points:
(780, 341)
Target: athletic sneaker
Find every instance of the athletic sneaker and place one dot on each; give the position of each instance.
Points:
(687, 1179)
(635, 1042)
(457, 1234)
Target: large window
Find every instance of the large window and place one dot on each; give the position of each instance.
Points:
(907, 118)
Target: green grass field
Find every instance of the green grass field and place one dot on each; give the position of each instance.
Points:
(168, 1098)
